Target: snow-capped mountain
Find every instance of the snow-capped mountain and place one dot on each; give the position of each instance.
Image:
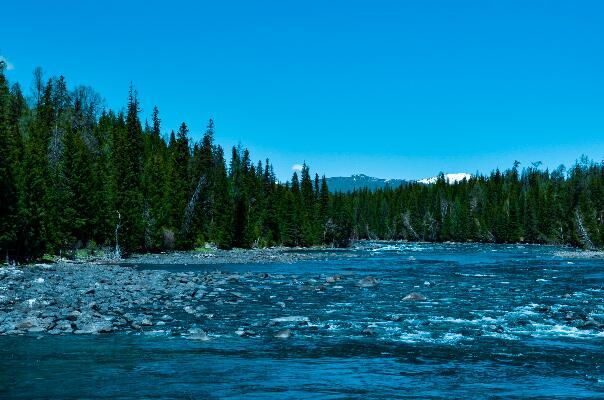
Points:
(360, 181)
(451, 178)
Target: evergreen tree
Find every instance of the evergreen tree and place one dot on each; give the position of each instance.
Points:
(73, 176)
(8, 172)
(128, 163)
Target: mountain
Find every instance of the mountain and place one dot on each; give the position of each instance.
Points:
(451, 178)
(360, 181)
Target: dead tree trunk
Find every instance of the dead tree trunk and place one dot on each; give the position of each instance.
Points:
(583, 233)
(118, 253)
(190, 209)
(406, 218)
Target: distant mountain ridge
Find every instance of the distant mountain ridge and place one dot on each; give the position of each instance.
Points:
(361, 181)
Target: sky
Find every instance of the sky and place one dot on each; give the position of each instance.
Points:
(400, 89)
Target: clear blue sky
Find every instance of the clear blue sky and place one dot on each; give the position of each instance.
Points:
(391, 89)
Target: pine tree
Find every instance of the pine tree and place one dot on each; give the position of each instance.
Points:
(128, 163)
(8, 172)
(33, 190)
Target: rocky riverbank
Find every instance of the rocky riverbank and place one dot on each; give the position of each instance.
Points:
(115, 296)
(205, 295)
(581, 254)
(235, 256)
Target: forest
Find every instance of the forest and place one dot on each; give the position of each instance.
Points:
(78, 176)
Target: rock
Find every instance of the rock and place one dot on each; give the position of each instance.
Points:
(368, 331)
(414, 297)
(198, 334)
(293, 318)
(33, 325)
(95, 328)
(29, 303)
(39, 280)
(497, 328)
(244, 332)
(146, 322)
(543, 309)
(575, 316)
(74, 315)
(63, 326)
(333, 279)
(368, 281)
(283, 334)
(26, 323)
(590, 324)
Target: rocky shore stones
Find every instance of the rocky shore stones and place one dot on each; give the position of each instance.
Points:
(234, 304)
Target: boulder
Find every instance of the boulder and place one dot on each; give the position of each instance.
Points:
(368, 281)
(94, 328)
(198, 334)
(368, 331)
(414, 297)
(74, 315)
(34, 325)
(283, 334)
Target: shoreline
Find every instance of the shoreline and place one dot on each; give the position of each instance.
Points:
(103, 296)
(277, 254)
(115, 296)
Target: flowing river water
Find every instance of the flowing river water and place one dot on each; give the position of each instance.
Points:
(380, 320)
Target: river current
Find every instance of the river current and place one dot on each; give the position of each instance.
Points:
(481, 321)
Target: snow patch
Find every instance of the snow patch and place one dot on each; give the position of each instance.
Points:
(451, 178)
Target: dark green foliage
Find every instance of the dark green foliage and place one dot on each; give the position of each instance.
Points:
(9, 153)
(534, 206)
(128, 152)
(73, 176)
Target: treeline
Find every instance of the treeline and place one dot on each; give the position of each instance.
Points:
(75, 175)
(532, 205)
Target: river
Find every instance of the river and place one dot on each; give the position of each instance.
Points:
(482, 321)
